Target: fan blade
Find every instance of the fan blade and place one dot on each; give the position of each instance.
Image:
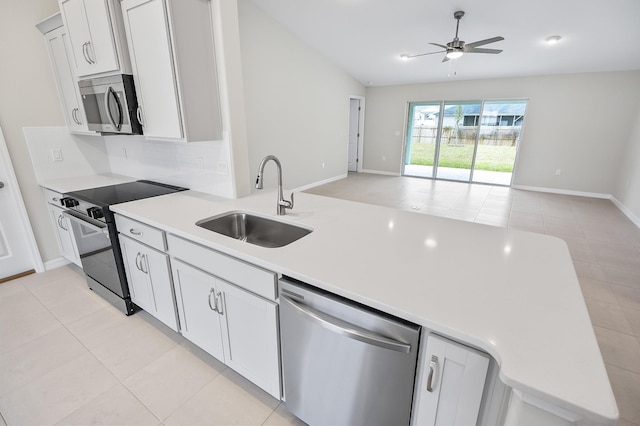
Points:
(425, 54)
(483, 42)
(476, 50)
(445, 59)
(439, 45)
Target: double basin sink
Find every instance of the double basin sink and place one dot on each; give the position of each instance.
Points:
(257, 230)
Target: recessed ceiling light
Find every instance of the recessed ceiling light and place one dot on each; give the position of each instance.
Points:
(553, 39)
(404, 57)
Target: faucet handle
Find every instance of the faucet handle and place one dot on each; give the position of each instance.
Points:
(286, 203)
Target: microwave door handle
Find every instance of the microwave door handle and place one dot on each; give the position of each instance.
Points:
(111, 92)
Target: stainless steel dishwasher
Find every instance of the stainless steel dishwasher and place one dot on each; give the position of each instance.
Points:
(343, 363)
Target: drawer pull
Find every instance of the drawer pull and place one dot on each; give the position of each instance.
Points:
(134, 232)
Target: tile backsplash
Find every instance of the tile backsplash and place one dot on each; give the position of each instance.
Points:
(201, 166)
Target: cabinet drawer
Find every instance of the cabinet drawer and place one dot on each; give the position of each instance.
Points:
(252, 278)
(52, 197)
(139, 231)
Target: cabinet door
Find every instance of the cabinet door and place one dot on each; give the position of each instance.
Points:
(251, 337)
(149, 277)
(88, 23)
(150, 48)
(62, 62)
(65, 236)
(136, 265)
(195, 295)
(451, 384)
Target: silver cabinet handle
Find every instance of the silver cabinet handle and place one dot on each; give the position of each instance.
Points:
(60, 223)
(212, 293)
(85, 53)
(144, 264)
(74, 116)
(138, 262)
(134, 232)
(346, 329)
(432, 367)
(139, 116)
(219, 307)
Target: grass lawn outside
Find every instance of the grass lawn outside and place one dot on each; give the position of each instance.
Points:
(489, 157)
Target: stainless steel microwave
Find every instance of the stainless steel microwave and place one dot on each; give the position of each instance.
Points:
(111, 104)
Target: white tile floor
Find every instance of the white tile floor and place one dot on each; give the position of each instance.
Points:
(67, 357)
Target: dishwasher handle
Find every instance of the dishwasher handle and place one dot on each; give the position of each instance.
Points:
(347, 329)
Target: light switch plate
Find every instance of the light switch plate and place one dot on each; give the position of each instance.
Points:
(56, 154)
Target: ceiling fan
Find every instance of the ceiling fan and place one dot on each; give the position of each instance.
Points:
(456, 48)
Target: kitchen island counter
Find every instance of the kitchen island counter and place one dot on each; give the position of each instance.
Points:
(511, 293)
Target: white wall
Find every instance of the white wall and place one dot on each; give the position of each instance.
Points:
(28, 98)
(627, 189)
(297, 102)
(579, 123)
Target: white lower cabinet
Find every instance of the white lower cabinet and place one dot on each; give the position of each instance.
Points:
(196, 297)
(149, 277)
(450, 385)
(237, 326)
(62, 228)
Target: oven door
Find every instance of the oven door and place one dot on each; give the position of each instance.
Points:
(95, 250)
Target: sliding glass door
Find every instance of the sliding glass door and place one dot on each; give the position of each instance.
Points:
(468, 141)
(422, 135)
(458, 140)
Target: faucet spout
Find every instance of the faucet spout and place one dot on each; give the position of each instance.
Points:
(282, 204)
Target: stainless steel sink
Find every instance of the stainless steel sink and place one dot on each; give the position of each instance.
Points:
(254, 229)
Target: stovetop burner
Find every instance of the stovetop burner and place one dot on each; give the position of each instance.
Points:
(105, 196)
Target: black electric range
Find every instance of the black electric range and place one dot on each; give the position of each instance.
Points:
(94, 230)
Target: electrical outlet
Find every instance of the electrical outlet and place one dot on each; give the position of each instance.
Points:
(323, 165)
(558, 172)
(56, 154)
(222, 167)
(200, 162)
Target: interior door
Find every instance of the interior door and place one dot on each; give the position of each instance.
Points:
(15, 252)
(354, 134)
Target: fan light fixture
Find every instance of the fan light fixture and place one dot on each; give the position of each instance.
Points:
(454, 54)
(553, 39)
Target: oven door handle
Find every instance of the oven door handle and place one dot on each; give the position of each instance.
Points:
(92, 224)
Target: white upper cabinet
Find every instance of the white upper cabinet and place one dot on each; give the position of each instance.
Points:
(174, 70)
(95, 34)
(58, 46)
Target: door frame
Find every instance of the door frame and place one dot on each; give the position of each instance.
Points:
(12, 186)
(360, 132)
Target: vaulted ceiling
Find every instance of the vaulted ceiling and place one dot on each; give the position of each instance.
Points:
(367, 37)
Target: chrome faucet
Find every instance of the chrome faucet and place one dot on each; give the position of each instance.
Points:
(282, 203)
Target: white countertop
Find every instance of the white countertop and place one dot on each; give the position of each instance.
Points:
(84, 182)
(514, 294)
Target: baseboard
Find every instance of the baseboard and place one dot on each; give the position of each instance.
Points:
(55, 263)
(321, 182)
(628, 213)
(379, 172)
(562, 191)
